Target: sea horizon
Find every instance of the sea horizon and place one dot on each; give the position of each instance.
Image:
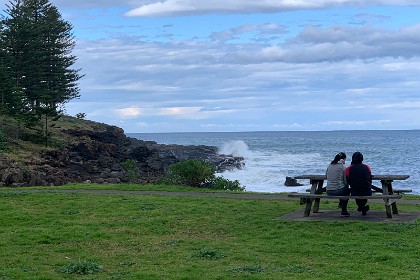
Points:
(252, 131)
(271, 156)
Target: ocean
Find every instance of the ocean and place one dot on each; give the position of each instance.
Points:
(273, 155)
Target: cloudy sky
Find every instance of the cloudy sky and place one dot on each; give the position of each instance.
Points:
(247, 65)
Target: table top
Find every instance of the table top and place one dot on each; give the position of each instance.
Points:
(388, 177)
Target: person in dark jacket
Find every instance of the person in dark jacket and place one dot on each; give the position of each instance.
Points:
(359, 177)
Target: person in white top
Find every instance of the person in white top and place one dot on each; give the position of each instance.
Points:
(337, 182)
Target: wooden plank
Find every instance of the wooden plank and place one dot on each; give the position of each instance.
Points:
(318, 200)
(389, 177)
(388, 211)
(311, 177)
(308, 207)
(402, 190)
(394, 207)
(387, 190)
(307, 195)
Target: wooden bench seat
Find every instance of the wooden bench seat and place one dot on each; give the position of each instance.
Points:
(309, 198)
(397, 191)
(380, 196)
(402, 191)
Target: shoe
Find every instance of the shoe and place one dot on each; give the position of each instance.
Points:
(345, 214)
(364, 210)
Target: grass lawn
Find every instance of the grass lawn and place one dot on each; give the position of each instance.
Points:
(123, 236)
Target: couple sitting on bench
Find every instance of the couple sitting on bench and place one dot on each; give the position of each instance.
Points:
(354, 180)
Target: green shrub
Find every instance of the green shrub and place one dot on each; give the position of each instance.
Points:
(130, 166)
(198, 173)
(82, 267)
(81, 116)
(192, 172)
(220, 183)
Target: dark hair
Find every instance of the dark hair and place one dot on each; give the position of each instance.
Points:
(357, 158)
(338, 157)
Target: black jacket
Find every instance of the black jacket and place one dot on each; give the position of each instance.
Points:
(359, 178)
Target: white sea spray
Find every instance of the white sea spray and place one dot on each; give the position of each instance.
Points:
(271, 156)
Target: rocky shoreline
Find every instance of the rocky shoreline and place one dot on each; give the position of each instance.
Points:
(97, 156)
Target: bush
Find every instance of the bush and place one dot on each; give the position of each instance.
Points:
(130, 165)
(192, 172)
(198, 173)
(220, 183)
(82, 267)
(81, 116)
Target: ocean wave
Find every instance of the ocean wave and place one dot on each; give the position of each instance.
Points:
(237, 148)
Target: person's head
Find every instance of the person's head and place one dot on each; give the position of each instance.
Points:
(357, 158)
(338, 157)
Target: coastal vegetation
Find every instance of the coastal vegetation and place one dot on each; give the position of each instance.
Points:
(40, 145)
(198, 173)
(125, 236)
(36, 74)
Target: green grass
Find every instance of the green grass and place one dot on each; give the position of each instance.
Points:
(131, 187)
(121, 236)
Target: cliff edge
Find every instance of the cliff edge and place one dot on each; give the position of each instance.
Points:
(87, 151)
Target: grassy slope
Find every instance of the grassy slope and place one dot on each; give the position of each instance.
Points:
(26, 151)
(157, 237)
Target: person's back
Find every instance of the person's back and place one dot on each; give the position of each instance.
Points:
(336, 178)
(337, 182)
(359, 177)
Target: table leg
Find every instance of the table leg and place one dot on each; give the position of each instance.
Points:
(388, 211)
(394, 208)
(318, 191)
(308, 207)
(387, 189)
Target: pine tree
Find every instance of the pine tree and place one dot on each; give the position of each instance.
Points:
(10, 97)
(39, 43)
(13, 33)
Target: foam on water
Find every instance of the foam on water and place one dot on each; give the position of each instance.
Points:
(235, 148)
(265, 171)
(271, 156)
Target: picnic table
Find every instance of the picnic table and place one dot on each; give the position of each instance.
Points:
(388, 193)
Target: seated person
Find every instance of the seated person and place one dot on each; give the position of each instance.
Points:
(337, 181)
(359, 177)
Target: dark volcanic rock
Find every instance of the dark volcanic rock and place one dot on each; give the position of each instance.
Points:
(99, 156)
(291, 182)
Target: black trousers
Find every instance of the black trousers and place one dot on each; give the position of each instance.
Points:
(361, 203)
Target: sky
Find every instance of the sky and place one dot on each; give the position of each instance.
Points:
(246, 65)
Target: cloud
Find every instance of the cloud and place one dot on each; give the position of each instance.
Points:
(260, 30)
(129, 112)
(197, 7)
(402, 105)
(218, 81)
(356, 123)
(316, 44)
(88, 3)
(312, 45)
(365, 19)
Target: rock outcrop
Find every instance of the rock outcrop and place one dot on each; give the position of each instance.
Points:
(99, 157)
(291, 182)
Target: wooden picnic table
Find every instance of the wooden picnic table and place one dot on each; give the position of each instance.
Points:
(317, 182)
